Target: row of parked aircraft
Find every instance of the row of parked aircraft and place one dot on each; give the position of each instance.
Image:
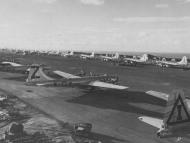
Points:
(140, 60)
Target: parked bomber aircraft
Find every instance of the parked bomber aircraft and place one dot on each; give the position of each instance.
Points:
(15, 67)
(134, 61)
(84, 56)
(165, 63)
(11, 66)
(176, 122)
(11, 63)
(38, 77)
(69, 54)
(107, 58)
(183, 64)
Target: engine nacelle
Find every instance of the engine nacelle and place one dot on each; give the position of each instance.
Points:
(164, 133)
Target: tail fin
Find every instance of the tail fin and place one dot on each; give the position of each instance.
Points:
(144, 57)
(117, 55)
(177, 110)
(36, 74)
(183, 61)
(92, 54)
(163, 59)
(71, 53)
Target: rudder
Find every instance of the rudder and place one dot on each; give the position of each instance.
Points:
(144, 57)
(117, 55)
(36, 74)
(71, 53)
(92, 54)
(183, 61)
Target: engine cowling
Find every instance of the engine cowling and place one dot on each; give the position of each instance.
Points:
(163, 133)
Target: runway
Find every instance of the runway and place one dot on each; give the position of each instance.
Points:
(112, 113)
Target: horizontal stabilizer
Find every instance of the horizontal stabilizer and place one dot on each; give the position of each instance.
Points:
(160, 95)
(106, 85)
(65, 75)
(152, 121)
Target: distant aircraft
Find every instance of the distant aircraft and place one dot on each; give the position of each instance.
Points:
(15, 67)
(84, 56)
(176, 121)
(107, 58)
(134, 61)
(38, 77)
(11, 66)
(2, 98)
(69, 54)
(183, 64)
(4, 116)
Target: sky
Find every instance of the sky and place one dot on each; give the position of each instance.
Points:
(96, 25)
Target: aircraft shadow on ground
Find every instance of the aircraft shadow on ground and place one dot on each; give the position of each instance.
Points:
(120, 100)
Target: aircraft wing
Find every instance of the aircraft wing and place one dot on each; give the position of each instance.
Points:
(169, 63)
(95, 83)
(133, 60)
(85, 56)
(65, 75)
(12, 64)
(160, 95)
(106, 85)
(155, 122)
(109, 58)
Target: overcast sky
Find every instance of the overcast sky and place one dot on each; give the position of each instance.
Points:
(114, 25)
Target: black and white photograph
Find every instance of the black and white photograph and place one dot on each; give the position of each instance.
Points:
(94, 71)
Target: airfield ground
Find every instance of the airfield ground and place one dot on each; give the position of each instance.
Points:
(112, 113)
